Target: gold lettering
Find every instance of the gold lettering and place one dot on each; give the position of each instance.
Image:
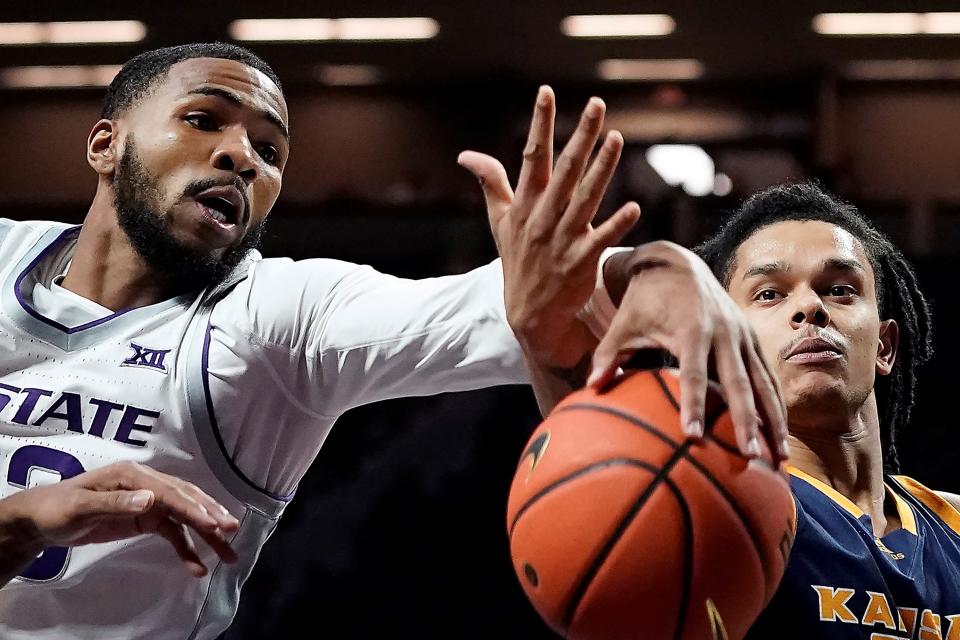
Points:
(716, 622)
(833, 604)
(929, 626)
(878, 611)
(953, 630)
(909, 615)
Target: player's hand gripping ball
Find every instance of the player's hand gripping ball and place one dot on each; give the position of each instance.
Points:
(623, 529)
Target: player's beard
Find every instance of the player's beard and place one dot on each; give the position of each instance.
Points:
(137, 195)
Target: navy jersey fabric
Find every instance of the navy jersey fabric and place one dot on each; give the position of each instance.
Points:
(842, 582)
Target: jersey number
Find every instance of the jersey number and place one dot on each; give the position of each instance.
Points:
(50, 564)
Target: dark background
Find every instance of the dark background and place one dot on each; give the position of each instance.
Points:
(399, 528)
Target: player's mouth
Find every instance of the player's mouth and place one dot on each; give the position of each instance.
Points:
(223, 206)
(814, 350)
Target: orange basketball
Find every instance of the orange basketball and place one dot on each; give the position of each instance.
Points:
(622, 528)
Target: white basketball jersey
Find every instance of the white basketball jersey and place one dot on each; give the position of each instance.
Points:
(233, 390)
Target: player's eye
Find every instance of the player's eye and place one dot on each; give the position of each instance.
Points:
(269, 154)
(842, 290)
(202, 121)
(767, 295)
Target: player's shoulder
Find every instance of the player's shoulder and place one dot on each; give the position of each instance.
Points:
(944, 504)
(951, 498)
(279, 285)
(284, 276)
(8, 225)
(25, 233)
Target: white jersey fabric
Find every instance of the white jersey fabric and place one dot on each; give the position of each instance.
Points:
(233, 390)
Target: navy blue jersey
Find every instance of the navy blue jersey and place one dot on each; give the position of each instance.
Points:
(842, 582)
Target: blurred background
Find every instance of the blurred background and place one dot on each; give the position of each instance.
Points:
(399, 529)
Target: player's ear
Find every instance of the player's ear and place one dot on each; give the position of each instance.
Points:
(102, 147)
(887, 343)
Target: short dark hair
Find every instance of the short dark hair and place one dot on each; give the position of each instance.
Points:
(898, 295)
(142, 72)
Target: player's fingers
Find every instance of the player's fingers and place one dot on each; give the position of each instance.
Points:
(736, 383)
(180, 505)
(694, 355)
(106, 503)
(219, 543)
(569, 168)
(775, 420)
(766, 402)
(538, 154)
(178, 536)
(493, 180)
(613, 230)
(586, 199)
(168, 494)
(220, 513)
(616, 347)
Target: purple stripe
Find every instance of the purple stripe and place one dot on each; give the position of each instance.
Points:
(205, 359)
(42, 318)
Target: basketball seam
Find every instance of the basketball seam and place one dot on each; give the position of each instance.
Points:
(610, 462)
(710, 421)
(693, 461)
(666, 390)
(686, 585)
(601, 557)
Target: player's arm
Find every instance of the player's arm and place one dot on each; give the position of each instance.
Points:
(669, 300)
(115, 502)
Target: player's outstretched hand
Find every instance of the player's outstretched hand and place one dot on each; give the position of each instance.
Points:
(674, 302)
(119, 501)
(549, 247)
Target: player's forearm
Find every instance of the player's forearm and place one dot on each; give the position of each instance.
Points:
(20, 542)
(550, 385)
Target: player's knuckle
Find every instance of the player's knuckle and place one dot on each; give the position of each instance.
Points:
(566, 163)
(694, 376)
(534, 151)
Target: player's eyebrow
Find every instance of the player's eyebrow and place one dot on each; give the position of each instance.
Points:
(842, 264)
(766, 269)
(233, 98)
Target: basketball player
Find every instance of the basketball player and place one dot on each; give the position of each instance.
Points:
(837, 312)
(158, 377)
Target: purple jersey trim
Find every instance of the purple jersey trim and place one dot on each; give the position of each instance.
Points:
(205, 358)
(39, 316)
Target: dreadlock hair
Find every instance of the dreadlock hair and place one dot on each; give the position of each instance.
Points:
(142, 73)
(898, 296)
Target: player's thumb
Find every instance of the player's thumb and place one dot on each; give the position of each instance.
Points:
(492, 177)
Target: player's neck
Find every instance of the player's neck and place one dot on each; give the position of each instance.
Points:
(106, 269)
(848, 458)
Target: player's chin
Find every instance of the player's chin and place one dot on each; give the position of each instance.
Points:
(815, 388)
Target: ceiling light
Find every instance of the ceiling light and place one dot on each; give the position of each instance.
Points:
(639, 25)
(946, 23)
(58, 77)
(650, 69)
(684, 165)
(886, 24)
(97, 32)
(314, 29)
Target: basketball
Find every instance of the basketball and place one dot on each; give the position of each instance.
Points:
(622, 528)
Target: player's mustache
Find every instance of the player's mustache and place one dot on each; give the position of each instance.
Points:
(828, 336)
